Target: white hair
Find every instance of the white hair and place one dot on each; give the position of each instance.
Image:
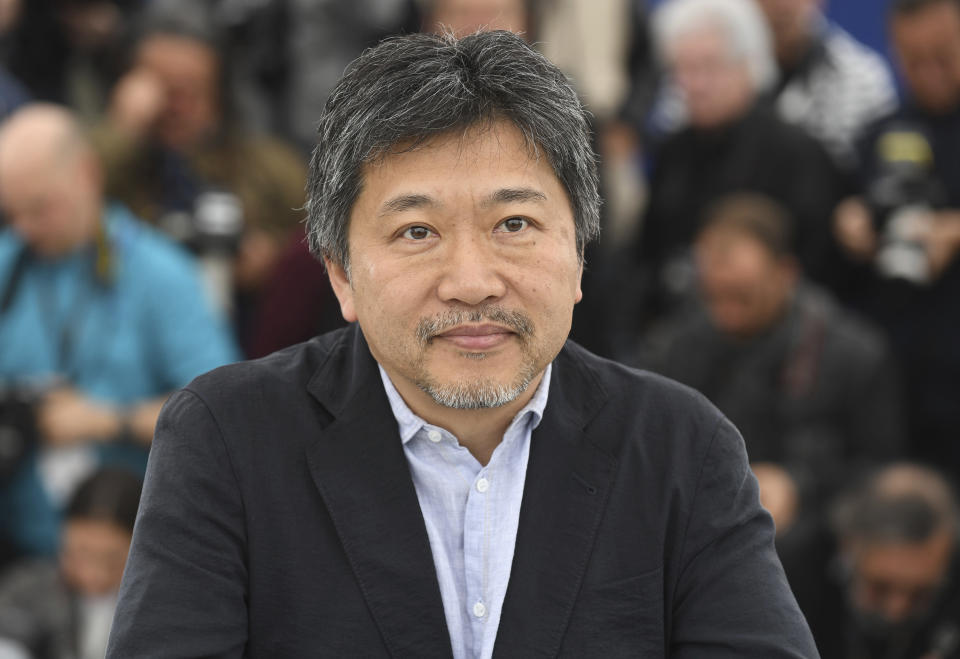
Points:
(739, 22)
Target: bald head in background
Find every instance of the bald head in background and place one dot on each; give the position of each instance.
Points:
(51, 190)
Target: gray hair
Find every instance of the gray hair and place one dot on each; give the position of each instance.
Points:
(739, 22)
(902, 503)
(412, 88)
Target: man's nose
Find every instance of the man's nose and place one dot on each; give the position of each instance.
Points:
(470, 272)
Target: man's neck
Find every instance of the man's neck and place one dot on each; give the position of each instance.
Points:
(480, 431)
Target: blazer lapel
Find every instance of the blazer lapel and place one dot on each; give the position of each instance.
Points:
(358, 465)
(567, 484)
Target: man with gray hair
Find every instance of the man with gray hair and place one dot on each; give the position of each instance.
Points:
(449, 476)
(719, 55)
(898, 542)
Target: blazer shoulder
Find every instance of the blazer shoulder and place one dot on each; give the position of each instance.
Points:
(637, 397)
(288, 370)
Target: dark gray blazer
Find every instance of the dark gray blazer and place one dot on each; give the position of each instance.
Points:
(279, 519)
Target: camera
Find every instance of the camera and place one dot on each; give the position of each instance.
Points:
(18, 424)
(903, 195)
(212, 231)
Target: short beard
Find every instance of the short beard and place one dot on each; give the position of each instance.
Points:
(476, 394)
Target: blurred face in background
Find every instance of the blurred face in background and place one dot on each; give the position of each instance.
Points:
(894, 584)
(791, 25)
(926, 43)
(53, 205)
(716, 85)
(745, 287)
(93, 555)
(189, 72)
(467, 16)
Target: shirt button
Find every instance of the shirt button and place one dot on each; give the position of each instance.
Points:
(483, 485)
(479, 609)
(434, 436)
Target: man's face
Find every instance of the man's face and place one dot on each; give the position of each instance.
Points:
(188, 71)
(93, 556)
(52, 206)
(716, 87)
(927, 47)
(897, 582)
(463, 267)
(745, 288)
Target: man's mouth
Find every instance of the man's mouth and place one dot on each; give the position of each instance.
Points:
(477, 337)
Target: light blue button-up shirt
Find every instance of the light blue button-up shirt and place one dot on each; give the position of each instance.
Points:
(471, 513)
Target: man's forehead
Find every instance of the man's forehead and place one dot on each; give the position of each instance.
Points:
(468, 139)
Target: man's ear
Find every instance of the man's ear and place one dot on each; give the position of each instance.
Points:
(578, 294)
(340, 281)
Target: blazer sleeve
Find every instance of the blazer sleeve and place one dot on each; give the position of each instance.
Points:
(184, 588)
(732, 597)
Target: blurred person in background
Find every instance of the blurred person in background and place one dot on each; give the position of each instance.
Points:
(13, 93)
(718, 53)
(323, 37)
(100, 317)
(68, 51)
(63, 609)
(810, 387)
(464, 17)
(176, 157)
(828, 82)
(902, 232)
(894, 592)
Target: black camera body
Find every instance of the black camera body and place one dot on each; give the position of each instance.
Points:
(902, 196)
(18, 424)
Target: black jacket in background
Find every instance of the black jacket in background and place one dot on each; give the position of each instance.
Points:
(817, 392)
(759, 153)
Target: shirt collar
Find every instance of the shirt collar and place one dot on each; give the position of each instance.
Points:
(410, 424)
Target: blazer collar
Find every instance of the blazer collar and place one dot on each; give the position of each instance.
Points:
(358, 465)
(568, 482)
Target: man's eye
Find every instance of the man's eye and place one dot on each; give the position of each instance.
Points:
(513, 224)
(417, 233)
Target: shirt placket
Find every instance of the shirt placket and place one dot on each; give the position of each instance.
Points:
(477, 531)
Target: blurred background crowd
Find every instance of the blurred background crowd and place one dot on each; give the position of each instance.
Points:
(781, 232)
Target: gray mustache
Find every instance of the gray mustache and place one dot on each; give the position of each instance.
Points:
(428, 328)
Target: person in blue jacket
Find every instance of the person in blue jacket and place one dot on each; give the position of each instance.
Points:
(100, 318)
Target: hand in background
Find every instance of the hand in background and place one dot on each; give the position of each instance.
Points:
(138, 100)
(942, 241)
(778, 494)
(66, 417)
(853, 229)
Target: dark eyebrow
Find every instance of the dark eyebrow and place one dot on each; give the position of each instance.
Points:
(405, 202)
(513, 195)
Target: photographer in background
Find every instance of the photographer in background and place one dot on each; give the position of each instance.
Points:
(100, 317)
(894, 592)
(902, 234)
(811, 387)
(63, 609)
(177, 156)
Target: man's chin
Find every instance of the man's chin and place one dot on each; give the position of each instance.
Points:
(474, 394)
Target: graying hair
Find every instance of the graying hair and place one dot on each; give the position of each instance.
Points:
(740, 23)
(412, 88)
(902, 502)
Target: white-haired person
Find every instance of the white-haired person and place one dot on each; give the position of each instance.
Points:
(718, 56)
